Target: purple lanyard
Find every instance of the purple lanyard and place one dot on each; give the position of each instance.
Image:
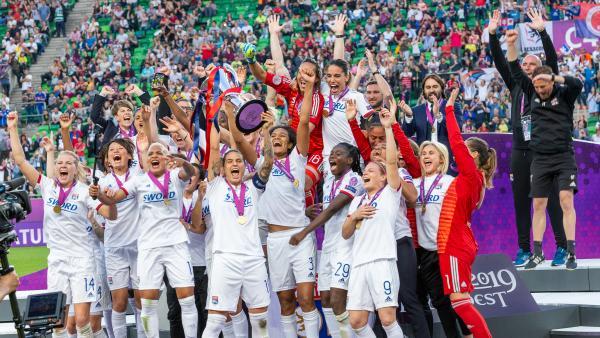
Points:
(187, 214)
(119, 183)
(331, 104)
(372, 199)
(335, 186)
(238, 200)
(62, 194)
(428, 111)
(285, 168)
(425, 198)
(163, 187)
(126, 133)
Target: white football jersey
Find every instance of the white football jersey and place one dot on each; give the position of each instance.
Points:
(68, 232)
(196, 244)
(125, 229)
(228, 235)
(375, 239)
(136, 166)
(351, 185)
(335, 126)
(402, 225)
(159, 224)
(282, 203)
(428, 223)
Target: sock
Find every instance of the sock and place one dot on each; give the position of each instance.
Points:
(365, 332)
(59, 333)
(149, 317)
(99, 334)
(472, 318)
(240, 324)
(289, 326)
(537, 248)
(571, 247)
(332, 324)
(85, 331)
(344, 324)
(71, 335)
(119, 324)
(189, 316)
(214, 324)
(394, 331)
(311, 323)
(107, 314)
(259, 325)
(228, 331)
(139, 327)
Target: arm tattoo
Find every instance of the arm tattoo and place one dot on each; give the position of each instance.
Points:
(265, 170)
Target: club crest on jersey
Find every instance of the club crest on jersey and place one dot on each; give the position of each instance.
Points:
(277, 80)
(74, 196)
(110, 281)
(353, 181)
(215, 300)
(157, 197)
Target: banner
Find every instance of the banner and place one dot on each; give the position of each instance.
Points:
(587, 21)
(530, 40)
(499, 290)
(565, 38)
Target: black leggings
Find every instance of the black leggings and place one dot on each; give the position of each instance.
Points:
(520, 167)
(429, 282)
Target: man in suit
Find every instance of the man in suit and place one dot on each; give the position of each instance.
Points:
(428, 120)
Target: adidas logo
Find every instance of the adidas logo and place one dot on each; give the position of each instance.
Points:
(90, 295)
(573, 184)
(388, 299)
(463, 285)
(342, 280)
(310, 274)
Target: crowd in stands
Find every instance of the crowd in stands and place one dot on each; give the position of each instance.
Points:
(125, 42)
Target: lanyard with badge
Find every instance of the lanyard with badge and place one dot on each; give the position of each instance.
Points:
(332, 104)
(359, 223)
(525, 120)
(430, 118)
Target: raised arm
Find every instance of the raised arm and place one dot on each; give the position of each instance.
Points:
(496, 50)
(179, 113)
(198, 226)
(537, 23)
(338, 29)
(391, 149)
(187, 170)
(247, 150)
(97, 113)
(573, 85)
(48, 145)
(361, 71)
(386, 91)
(303, 137)
(26, 168)
(249, 51)
(65, 130)
(361, 140)
(214, 160)
(174, 126)
(515, 69)
(149, 117)
(106, 195)
(267, 165)
(412, 162)
(464, 161)
(276, 52)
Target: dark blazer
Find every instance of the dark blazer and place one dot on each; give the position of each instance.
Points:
(109, 127)
(421, 127)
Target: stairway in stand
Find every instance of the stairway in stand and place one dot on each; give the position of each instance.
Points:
(83, 9)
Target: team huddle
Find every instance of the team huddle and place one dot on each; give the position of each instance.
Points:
(223, 227)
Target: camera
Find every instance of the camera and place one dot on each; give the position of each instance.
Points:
(44, 312)
(14, 207)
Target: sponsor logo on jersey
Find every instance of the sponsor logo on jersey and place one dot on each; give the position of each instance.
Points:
(215, 300)
(67, 206)
(157, 197)
(247, 199)
(110, 281)
(351, 189)
(388, 299)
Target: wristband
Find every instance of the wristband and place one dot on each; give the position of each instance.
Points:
(340, 36)
(552, 77)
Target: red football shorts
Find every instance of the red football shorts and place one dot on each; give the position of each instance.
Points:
(456, 274)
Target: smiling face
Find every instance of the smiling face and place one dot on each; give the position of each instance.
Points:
(374, 177)
(336, 79)
(543, 88)
(339, 160)
(280, 139)
(118, 157)
(124, 117)
(530, 63)
(432, 88)
(431, 160)
(139, 122)
(301, 83)
(66, 169)
(157, 160)
(234, 167)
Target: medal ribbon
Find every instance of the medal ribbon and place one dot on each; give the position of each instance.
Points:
(127, 133)
(62, 194)
(428, 111)
(163, 187)
(187, 214)
(119, 183)
(285, 168)
(425, 198)
(238, 200)
(335, 186)
(331, 104)
(373, 199)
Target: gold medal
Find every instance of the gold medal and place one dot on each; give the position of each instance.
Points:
(56, 209)
(423, 209)
(242, 219)
(358, 225)
(296, 183)
(167, 202)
